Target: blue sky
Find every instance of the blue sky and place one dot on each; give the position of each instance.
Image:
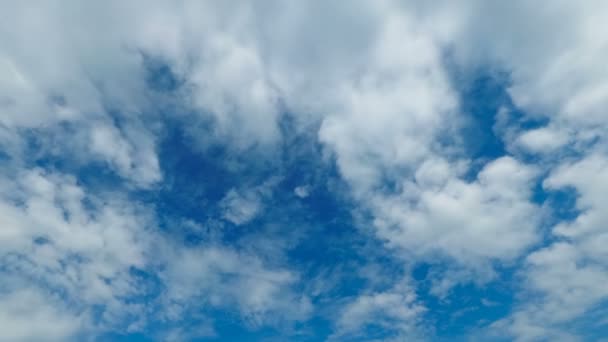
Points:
(303, 171)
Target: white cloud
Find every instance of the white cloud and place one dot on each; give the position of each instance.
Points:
(302, 191)
(567, 279)
(58, 236)
(55, 235)
(384, 127)
(32, 315)
(130, 152)
(241, 208)
(71, 84)
(215, 50)
(388, 117)
(560, 288)
(472, 222)
(397, 311)
(223, 278)
(542, 140)
(590, 180)
(561, 81)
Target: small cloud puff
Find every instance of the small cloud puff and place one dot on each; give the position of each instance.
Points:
(302, 191)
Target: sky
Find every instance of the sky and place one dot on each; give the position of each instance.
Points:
(303, 170)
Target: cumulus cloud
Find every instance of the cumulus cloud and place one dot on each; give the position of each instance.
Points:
(562, 82)
(71, 85)
(549, 81)
(566, 278)
(390, 115)
(32, 315)
(491, 217)
(396, 310)
(542, 140)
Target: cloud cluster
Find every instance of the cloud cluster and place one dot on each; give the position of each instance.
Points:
(557, 78)
(76, 263)
(60, 242)
(396, 311)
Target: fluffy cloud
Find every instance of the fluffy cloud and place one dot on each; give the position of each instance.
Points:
(32, 315)
(566, 279)
(567, 286)
(217, 277)
(552, 83)
(85, 83)
(472, 222)
(60, 238)
(214, 49)
(561, 82)
(396, 311)
(390, 116)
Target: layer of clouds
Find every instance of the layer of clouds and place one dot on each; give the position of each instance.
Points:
(372, 77)
(76, 263)
(62, 240)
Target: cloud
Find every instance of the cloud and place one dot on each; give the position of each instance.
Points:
(220, 277)
(302, 191)
(70, 86)
(565, 279)
(241, 208)
(396, 311)
(90, 250)
(31, 315)
(472, 222)
(130, 151)
(551, 83)
(542, 140)
(559, 290)
(59, 237)
(389, 116)
(548, 79)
